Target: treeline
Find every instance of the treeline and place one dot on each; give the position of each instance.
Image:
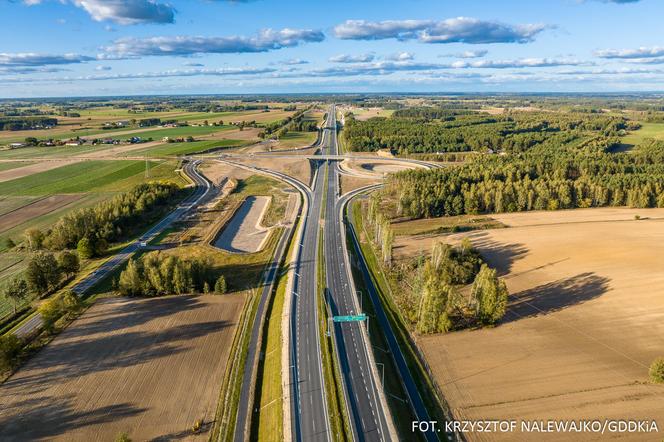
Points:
(91, 229)
(27, 123)
(420, 131)
(295, 122)
(544, 179)
(430, 113)
(156, 274)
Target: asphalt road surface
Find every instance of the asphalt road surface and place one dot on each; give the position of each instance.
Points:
(309, 413)
(201, 190)
(367, 416)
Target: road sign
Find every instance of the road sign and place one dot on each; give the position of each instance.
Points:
(350, 318)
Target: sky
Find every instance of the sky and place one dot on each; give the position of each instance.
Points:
(62, 48)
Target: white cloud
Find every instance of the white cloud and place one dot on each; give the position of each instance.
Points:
(103, 68)
(401, 56)
(124, 12)
(519, 63)
(265, 40)
(642, 52)
(453, 30)
(471, 54)
(34, 59)
(346, 58)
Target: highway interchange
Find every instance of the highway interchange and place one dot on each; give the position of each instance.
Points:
(322, 220)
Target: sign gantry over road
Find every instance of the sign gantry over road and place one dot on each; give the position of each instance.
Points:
(350, 318)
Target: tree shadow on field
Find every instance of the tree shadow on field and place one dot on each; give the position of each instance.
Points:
(49, 417)
(498, 255)
(121, 313)
(555, 296)
(63, 361)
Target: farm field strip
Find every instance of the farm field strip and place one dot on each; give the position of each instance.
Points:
(584, 310)
(44, 221)
(148, 367)
(28, 169)
(188, 148)
(84, 176)
(35, 209)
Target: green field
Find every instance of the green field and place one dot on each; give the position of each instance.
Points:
(89, 176)
(188, 148)
(53, 151)
(648, 130)
(297, 139)
(10, 265)
(173, 132)
(14, 165)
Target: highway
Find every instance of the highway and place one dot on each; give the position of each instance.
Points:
(309, 414)
(201, 190)
(369, 419)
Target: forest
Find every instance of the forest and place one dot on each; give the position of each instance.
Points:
(577, 175)
(432, 130)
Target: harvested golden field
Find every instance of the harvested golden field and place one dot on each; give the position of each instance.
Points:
(147, 367)
(584, 322)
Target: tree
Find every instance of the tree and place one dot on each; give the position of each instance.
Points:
(130, 282)
(656, 371)
(68, 263)
(434, 308)
(34, 239)
(220, 285)
(490, 296)
(42, 273)
(85, 248)
(16, 292)
(10, 348)
(206, 287)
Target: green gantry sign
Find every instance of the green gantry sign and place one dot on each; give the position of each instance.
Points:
(350, 318)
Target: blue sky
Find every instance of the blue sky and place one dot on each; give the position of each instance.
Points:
(126, 47)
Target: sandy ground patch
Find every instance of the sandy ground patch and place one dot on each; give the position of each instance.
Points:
(218, 172)
(584, 322)
(148, 367)
(20, 172)
(35, 209)
(244, 232)
(373, 168)
(294, 167)
(349, 182)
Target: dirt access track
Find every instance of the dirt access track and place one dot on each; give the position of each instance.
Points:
(147, 367)
(584, 322)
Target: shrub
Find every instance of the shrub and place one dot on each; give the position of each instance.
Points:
(656, 371)
(10, 348)
(123, 437)
(9, 243)
(68, 263)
